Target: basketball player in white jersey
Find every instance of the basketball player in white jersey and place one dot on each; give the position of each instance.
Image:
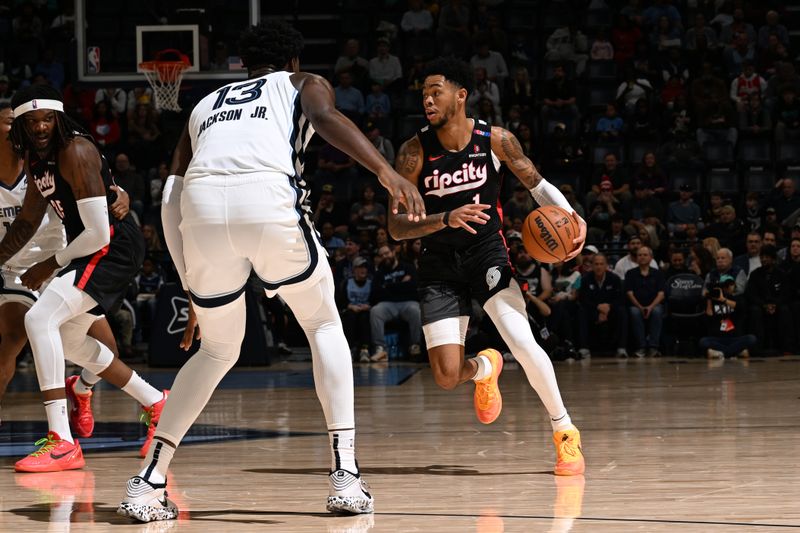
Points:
(16, 299)
(243, 204)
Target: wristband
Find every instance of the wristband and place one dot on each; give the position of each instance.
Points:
(446, 219)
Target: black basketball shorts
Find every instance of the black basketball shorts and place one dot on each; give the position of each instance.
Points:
(449, 279)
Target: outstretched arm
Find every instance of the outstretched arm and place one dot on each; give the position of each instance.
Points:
(318, 102)
(507, 148)
(25, 223)
(409, 165)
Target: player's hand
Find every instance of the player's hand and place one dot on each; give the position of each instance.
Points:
(189, 335)
(39, 273)
(580, 239)
(466, 214)
(402, 191)
(122, 205)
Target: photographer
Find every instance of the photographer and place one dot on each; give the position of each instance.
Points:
(725, 336)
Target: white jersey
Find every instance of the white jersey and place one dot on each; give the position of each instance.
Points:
(252, 126)
(47, 240)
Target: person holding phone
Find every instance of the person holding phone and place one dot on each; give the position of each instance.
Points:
(725, 337)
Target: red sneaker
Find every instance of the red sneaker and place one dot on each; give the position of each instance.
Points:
(81, 418)
(150, 416)
(54, 455)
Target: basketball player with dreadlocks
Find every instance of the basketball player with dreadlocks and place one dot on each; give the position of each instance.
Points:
(101, 257)
(237, 200)
(455, 163)
(16, 299)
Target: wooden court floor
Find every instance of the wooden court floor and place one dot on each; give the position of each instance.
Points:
(671, 445)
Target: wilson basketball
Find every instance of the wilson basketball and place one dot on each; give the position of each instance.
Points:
(548, 233)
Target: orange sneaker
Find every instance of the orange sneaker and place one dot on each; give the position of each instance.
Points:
(53, 455)
(569, 455)
(488, 401)
(81, 418)
(150, 416)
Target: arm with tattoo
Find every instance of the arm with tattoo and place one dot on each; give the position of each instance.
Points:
(25, 224)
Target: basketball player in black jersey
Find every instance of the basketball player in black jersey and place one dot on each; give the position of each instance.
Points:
(101, 258)
(455, 163)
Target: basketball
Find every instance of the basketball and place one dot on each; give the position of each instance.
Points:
(548, 233)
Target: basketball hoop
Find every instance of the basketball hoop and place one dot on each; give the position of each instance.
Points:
(165, 78)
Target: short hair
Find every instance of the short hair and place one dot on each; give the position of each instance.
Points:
(727, 251)
(66, 129)
(270, 43)
(769, 251)
(454, 70)
(5, 105)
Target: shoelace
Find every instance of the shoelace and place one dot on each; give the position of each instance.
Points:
(47, 444)
(147, 415)
(486, 395)
(567, 447)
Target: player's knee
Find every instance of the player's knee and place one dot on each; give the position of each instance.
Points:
(447, 376)
(222, 352)
(34, 319)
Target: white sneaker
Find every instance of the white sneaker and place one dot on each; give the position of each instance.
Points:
(585, 353)
(348, 493)
(622, 353)
(146, 501)
(363, 355)
(380, 355)
(715, 354)
(414, 350)
(640, 353)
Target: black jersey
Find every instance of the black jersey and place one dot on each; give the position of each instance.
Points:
(449, 180)
(55, 189)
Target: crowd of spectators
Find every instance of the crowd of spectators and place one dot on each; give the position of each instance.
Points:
(669, 125)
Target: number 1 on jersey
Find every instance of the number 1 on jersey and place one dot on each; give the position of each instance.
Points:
(477, 198)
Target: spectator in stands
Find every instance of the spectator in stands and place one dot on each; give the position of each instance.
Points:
(645, 287)
(488, 113)
(681, 151)
(750, 260)
(385, 68)
(700, 29)
(772, 56)
(613, 172)
(354, 303)
(716, 124)
(491, 61)
(519, 92)
(152, 242)
(661, 8)
(643, 124)
(768, 296)
(394, 295)
(601, 210)
(537, 287)
(665, 37)
(726, 337)
(701, 262)
(787, 115)
(130, 180)
(625, 37)
(497, 36)
(330, 241)
(674, 88)
(343, 268)
(115, 98)
(104, 127)
(158, 177)
(677, 264)
(349, 99)
(563, 151)
(753, 214)
(783, 253)
(730, 231)
(674, 66)
(143, 135)
(350, 61)
(51, 69)
(513, 119)
(746, 84)
(602, 49)
(739, 25)
(384, 145)
(329, 210)
(754, 119)
(525, 138)
(631, 260)
(148, 282)
(609, 127)
(740, 52)
(485, 89)
(615, 239)
(785, 76)
(706, 89)
(568, 43)
(772, 27)
(378, 106)
(220, 59)
(569, 193)
(367, 213)
(559, 98)
(683, 211)
(632, 89)
(453, 35)
(784, 199)
(633, 12)
(650, 177)
(417, 20)
(601, 302)
(724, 265)
(520, 203)
(562, 302)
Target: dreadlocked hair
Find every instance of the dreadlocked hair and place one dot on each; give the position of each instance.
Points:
(454, 70)
(270, 43)
(66, 128)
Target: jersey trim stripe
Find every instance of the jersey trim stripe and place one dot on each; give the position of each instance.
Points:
(87, 272)
(208, 302)
(16, 292)
(16, 182)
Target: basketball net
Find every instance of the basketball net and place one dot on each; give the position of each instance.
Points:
(165, 78)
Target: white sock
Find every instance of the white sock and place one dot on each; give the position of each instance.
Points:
(343, 450)
(561, 423)
(158, 459)
(484, 368)
(83, 385)
(142, 391)
(57, 420)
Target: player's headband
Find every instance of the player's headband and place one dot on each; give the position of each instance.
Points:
(32, 105)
